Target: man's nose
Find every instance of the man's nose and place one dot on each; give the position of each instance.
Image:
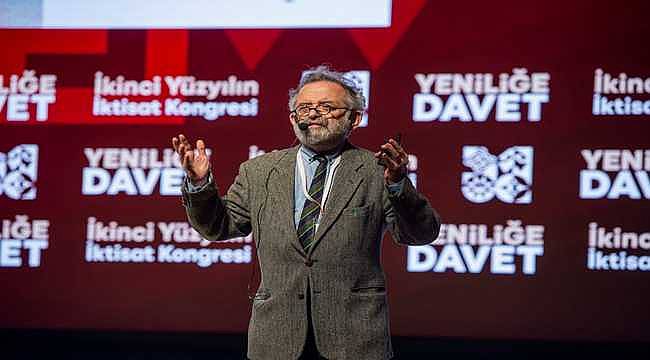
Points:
(313, 113)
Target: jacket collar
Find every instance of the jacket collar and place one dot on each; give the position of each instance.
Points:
(346, 181)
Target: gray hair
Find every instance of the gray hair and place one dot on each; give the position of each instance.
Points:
(354, 97)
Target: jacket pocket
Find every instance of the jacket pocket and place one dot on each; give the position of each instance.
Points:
(262, 295)
(378, 289)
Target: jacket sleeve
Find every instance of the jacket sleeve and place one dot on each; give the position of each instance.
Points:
(410, 218)
(217, 218)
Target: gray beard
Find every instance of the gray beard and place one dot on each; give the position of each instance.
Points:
(323, 138)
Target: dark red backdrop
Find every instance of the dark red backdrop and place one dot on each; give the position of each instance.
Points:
(562, 300)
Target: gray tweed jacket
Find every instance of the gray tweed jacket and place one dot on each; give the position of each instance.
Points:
(342, 270)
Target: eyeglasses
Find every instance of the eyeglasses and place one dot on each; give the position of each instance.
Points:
(321, 109)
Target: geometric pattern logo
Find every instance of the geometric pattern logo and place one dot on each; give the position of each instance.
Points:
(508, 177)
(361, 78)
(18, 171)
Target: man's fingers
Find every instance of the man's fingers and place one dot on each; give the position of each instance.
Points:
(381, 159)
(188, 159)
(185, 146)
(184, 141)
(200, 145)
(175, 143)
(389, 162)
(393, 157)
(397, 146)
(184, 160)
(396, 152)
(390, 151)
(388, 157)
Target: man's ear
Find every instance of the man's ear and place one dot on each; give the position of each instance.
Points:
(355, 117)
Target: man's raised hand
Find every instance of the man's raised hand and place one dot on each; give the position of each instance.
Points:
(195, 163)
(395, 159)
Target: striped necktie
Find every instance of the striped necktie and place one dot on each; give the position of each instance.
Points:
(311, 209)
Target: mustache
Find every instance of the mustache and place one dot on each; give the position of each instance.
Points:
(308, 122)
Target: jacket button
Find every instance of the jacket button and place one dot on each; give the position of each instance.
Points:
(301, 296)
(309, 262)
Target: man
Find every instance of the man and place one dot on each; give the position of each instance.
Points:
(322, 291)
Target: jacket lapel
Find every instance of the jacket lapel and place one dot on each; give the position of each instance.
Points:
(346, 181)
(284, 184)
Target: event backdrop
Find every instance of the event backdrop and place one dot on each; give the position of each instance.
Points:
(528, 126)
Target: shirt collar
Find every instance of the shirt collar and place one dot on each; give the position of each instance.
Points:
(310, 154)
